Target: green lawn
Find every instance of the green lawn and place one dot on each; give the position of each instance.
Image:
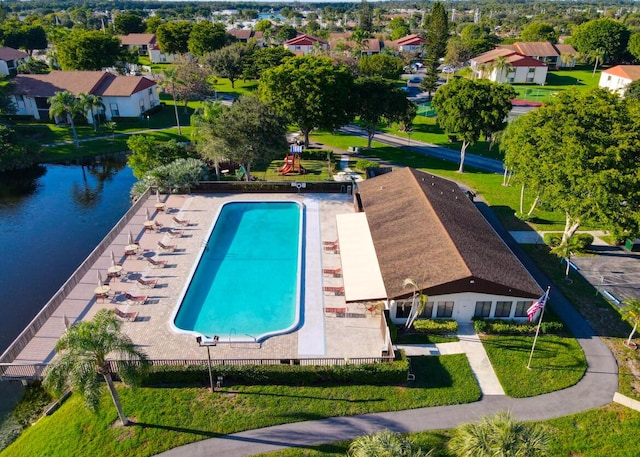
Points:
(168, 417)
(610, 430)
(558, 362)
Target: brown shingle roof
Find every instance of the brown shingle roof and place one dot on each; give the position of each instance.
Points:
(536, 48)
(245, 34)
(7, 53)
(493, 54)
(137, 39)
(565, 49)
(76, 82)
(425, 228)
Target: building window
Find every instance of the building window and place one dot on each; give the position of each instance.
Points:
(609, 78)
(114, 109)
(522, 307)
(445, 309)
(503, 309)
(483, 309)
(427, 312)
(150, 91)
(403, 308)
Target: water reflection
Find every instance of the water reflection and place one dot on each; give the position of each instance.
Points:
(18, 184)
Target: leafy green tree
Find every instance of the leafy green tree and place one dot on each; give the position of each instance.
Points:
(286, 32)
(634, 45)
(15, 152)
(152, 23)
(88, 50)
(631, 313)
(263, 25)
(309, 91)
(191, 80)
(398, 28)
(203, 133)
(126, 23)
(539, 31)
(90, 102)
(228, 62)
(33, 67)
(500, 435)
(180, 174)
(250, 132)
(148, 153)
(173, 37)
(604, 39)
(384, 444)
(582, 149)
(262, 59)
(468, 108)
(365, 17)
(382, 65)
(477, 39)
(633, 90)
(566, 251)
(65, 105)
(82, 357)
(377, 100)
(207, 37)
(437, 27)
(169, 82)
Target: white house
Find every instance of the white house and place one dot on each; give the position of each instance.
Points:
(303, 45)
(122, 96)
(409, 43)
(426, 228)
(616, 79)
(554, 55)
(146, 44)
(10, 59)
(517, 69)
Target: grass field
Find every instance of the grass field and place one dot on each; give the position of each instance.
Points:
(168, 417)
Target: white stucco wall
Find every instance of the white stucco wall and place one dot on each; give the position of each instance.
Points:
(4, 69)
(613, 83)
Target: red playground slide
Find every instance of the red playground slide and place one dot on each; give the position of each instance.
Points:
(286, 168)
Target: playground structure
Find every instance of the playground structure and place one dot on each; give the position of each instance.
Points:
(293, 162)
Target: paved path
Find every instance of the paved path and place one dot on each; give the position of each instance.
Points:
(596, 388)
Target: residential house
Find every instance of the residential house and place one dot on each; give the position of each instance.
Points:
(146, 44)
(503, 64)
(342, 42)
(616, 79)
(10, 59)
(303, 45)
(122, 96)
(426, 228)
(409, 43)
(244, 35)
(554, 55)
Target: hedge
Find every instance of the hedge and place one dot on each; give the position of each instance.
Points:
(382, 373)
(435, 326)
(510, 327)
(317, 154)
(583, 240)
(363, 164)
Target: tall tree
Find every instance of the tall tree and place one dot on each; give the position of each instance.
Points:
(539, 31)
(191, 78)
(500, 435)
(583, 149)
(228, 62)
(309, 91)
(65, 105)
(250, 132)
(502, 66)
(262, 59)
(382, 65)
(437, 27)
(377, 100)
(203, 133)
(173, 37)
(126, 23)
(88, 50)
(468, 108)
(82, 356)
(90, 102)
(170, 81)
(207, 37)
(365, 17)
(604, 39)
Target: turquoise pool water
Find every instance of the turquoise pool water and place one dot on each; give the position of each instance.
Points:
(246, 286)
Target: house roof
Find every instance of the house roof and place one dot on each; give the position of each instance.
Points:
(518, 60)
(514, 58)
(304, 40)
(411, 40)
(631, 72)
(368, 44)
(137, 39)
(245, 34)
(493, 54)
(425, 228)
(7, 53)
(536, 49)
(565, 49)
(89, 82)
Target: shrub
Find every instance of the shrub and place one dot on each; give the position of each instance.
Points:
(511, 327)
(287, 373)
(317, 154)
(581, 240)
(362, 165)
(435, 326)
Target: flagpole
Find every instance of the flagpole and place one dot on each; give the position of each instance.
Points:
(538, 329)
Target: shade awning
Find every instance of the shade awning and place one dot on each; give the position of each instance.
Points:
(360, 270)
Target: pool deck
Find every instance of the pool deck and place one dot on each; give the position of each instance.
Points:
(350, 334)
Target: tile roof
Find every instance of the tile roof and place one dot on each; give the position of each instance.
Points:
(137, 39)
(536, 48)
(410, 40)
(368, 44)
(514, 58)
(631, 72)
(425, 228)
(7, 53)
(493, 54)
(304, 40)
(89, 82)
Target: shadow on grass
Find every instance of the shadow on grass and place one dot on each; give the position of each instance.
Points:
(332, 399)
(563, 80)
(176, 429)
(429, 373)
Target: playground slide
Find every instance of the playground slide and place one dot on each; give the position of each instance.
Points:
(286, 168)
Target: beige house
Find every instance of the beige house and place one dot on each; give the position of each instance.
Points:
(504, 65)
(554, 55)
(616, 79)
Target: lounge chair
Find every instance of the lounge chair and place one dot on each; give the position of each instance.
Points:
(103, 297)
(339, 312)
(148, 283)
(336, 290)
(330, 243)
(166, 247)
(175, 233)
(181, 222)
(126, 316)
(157, 263)
(136, 299)
(335, 272)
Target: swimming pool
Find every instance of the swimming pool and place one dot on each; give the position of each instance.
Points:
(246, 285)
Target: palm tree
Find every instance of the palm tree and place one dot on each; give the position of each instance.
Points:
(82, 354)
(500, 435)
(89, 102)
(169, 82)
(384, 444)
(65, 104)
(203, 135)
(501, 65)
(416, 306)
(565, 251)
(631, 313)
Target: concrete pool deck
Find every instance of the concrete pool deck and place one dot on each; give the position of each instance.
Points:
(322, 334)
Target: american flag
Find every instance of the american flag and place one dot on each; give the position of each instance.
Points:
(537, 305)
